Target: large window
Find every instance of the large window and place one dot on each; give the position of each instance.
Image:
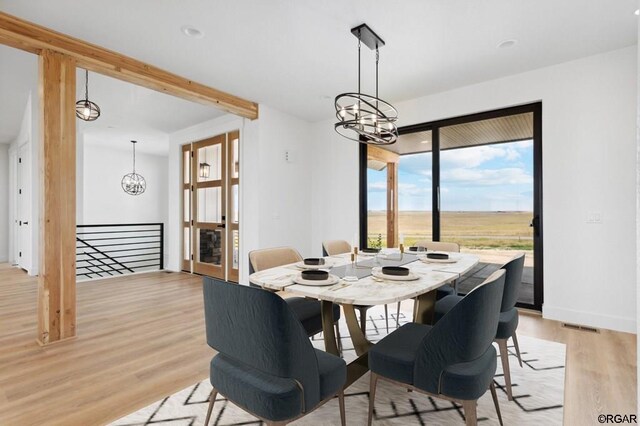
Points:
(472, 180)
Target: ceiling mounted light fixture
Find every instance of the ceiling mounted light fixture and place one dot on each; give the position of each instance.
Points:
(85, 109)
(361, 117)
(133, 183)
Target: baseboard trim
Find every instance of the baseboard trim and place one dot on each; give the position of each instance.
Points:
(589, 319)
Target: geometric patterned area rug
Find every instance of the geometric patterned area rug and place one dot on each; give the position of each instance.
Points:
(538, 390)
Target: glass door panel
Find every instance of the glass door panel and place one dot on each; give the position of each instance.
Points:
(486, 194)
(186, 208)
(233, 213)
(209, 207)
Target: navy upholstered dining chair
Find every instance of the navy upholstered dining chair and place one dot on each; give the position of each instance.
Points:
(508, 322)
(308, 311)
(454, 360)
(265, 362)
(335, 247)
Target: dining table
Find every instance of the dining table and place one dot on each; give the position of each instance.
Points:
(358, 281)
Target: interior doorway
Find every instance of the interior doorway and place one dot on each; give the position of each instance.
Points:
(210, 206)
(22, 219)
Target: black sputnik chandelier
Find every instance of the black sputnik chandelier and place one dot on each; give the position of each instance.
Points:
(85, 109)
(361, 117)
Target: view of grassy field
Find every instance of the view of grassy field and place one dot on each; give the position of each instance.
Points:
(472, 230)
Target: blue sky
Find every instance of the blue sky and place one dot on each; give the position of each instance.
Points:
(483, 178)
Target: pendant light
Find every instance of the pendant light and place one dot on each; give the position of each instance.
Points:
(205, 168)
(85, 109)
(361, 117)
(133, 183)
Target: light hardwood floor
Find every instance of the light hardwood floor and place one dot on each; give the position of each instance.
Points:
(141, 338)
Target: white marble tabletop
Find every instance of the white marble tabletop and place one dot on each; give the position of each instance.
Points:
(368, 290)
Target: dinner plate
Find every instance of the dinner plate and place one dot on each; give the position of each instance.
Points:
(427, 260)
(327, 264)
(331, 281)
(376, 272)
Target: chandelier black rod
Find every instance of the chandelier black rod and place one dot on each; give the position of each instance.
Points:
(359, 43)
(86, 85)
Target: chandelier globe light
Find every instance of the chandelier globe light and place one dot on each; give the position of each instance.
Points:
(134, 183)
(85, 109)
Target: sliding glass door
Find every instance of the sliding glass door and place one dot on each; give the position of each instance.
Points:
(473, 180)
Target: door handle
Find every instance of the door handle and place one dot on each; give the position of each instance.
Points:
(222, 225)
(535, 224)
(26, 223)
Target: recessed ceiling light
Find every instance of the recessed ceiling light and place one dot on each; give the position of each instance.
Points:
(507, 43)
(192, 32)
(425, 142)
(637, 12)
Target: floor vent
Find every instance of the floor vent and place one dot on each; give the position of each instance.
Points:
(580, 327)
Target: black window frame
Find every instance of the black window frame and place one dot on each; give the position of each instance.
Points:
(434, 127)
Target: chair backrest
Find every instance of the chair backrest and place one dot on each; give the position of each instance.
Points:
(257, 328)
(262, 259)
(463, 334)
(333, 247)
(513, 279)
(438, 246)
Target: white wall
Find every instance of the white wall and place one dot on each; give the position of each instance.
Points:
(104, 201)
(4, 205)
(589, 115)
(275, 195)
(29, 134)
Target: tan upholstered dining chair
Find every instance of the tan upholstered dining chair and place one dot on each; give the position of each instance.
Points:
(308, 311)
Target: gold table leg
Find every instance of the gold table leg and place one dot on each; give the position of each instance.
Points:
(424, 309)
(360, 342)
(330, 344)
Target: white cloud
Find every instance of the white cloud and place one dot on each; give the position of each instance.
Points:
(487, 177)
(377, 186)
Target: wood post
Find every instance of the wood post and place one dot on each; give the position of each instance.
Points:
(392, 204)
(57, 280)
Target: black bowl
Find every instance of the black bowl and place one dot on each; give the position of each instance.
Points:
(413, 248)
(370, 250)
(315, 275)
(395, 270)
(314, 261)
(438, 256)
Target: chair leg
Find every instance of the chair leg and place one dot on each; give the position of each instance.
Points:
(504, 357)
(470, 413)
(494, 395)
(212, 400)
(343, 417)
(398, 316)
(338, 338)
(372, 396)
(386, 317)
(515, 344)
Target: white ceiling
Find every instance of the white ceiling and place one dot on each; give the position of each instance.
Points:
(18, 76)
(127, 111)
(296, 55)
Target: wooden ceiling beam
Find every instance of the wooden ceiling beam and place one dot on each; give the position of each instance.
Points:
(34, 38)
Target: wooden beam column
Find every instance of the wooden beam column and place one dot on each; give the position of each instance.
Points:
(392, 204)
(57, 280)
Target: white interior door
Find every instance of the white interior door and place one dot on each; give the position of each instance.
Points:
(23, 216)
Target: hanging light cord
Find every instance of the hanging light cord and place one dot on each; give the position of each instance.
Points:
(377, 60)
(134, 156)
(358, 62)
(86, 85)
